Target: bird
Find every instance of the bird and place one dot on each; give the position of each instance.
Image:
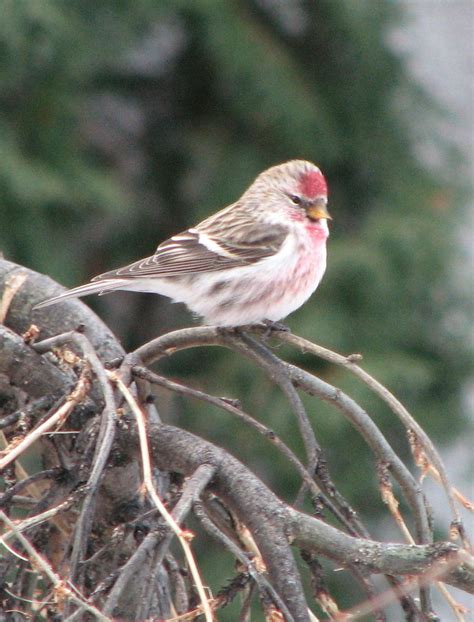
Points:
(253, 262)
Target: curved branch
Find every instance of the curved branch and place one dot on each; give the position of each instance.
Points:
(200, 336)
(374, 438)
(53, 320)
(397, 408)
(104, 440)
(269, 434)
(260, 509)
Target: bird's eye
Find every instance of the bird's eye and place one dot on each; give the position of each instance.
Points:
(296, 199)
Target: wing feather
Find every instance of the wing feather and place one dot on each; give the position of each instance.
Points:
(203, 249)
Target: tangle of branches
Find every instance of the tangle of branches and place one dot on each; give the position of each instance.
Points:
(97, 490)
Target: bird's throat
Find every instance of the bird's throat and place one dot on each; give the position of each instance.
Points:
(318, 229)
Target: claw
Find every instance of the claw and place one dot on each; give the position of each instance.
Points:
(277, 327)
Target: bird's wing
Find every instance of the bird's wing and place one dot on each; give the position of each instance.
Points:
(204, 250)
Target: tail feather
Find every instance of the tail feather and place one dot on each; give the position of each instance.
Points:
(83, 290)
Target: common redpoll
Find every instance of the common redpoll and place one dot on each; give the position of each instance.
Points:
(258, 259)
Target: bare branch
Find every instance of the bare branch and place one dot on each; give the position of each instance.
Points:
(194, 486)
(63, 591)
(120, 555)
(104, 441)
(148, 482)
(256, 505)
(402, 413)
(57, 419)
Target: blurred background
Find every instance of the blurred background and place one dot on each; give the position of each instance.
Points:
(124, 122)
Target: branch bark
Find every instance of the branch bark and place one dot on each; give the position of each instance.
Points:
(259, 508)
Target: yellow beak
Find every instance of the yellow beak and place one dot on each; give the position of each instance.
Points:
(318, 209)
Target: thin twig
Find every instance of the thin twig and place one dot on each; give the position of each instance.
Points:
(374, 438)
(382, 449)
(61, 587)
(277, 370)
(75, 397)
(192, 490)
(37, 519)
(390, 500)
(148, 483)
(427, 578)
(103, 444)
(266, 432)
(458, 610)
(258, 577)
(212, 336)
(274, 368)
(26, 483)
(348, 362)
(12, 284)
(42, 403)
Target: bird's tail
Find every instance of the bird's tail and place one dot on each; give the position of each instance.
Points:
(100, 287)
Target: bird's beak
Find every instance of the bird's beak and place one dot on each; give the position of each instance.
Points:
(318, 209)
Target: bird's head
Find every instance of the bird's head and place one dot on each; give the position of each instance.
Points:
(297, 189)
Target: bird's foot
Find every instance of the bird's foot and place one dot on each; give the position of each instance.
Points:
(269, 327)
(275, 327)
(272, 327)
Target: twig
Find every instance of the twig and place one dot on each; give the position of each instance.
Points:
(126, 572)
(37, 519)
(274, 368)
(458, 610)
(42, 403)
(389, 499)
(266, 432)
(12, 285)
(178, 586)
(397, 408)
(277, 370)
(318, 585)
(382, 449)
(58, 418)
(212, 336)
(438, 570)
(192, 490)
(259, 578)
(61, 588)
(148, 483)
(374, 438)
(104, 441)
(26, 483)
(11, 550)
